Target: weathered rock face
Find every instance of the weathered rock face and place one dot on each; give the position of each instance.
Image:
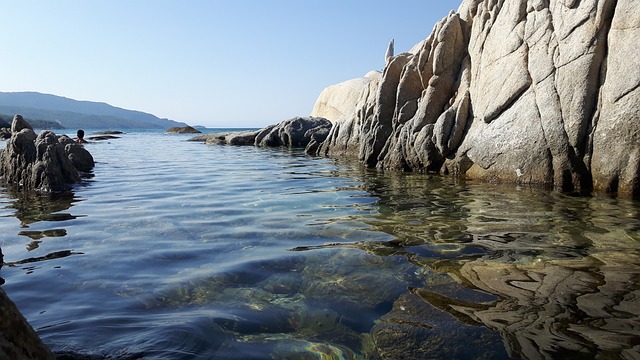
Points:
(41, 162)
(339, 101)
(524, 91)
(80, 157)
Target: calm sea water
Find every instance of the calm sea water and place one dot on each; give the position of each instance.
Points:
(178, 250)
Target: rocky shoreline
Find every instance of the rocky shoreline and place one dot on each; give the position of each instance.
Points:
(524, 92)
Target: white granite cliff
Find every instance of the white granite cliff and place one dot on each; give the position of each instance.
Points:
(524, 91)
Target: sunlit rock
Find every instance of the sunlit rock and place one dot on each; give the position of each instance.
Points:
(41, 162)
(528, 92)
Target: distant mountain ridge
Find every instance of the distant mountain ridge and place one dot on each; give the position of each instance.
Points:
(73, 114)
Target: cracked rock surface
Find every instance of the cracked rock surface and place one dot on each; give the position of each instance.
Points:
(524, 91)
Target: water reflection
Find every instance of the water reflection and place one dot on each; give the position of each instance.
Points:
(31, 208)
(565, 271)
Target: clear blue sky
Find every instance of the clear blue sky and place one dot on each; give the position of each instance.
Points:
(236, 63)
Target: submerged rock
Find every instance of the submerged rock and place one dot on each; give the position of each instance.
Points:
(41, 162)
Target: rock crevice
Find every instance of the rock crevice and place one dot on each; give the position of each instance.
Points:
(523, 91)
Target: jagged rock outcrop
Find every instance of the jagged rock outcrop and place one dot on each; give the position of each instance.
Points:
(523, 91)
(41, 162)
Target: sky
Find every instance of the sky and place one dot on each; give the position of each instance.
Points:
(239, 63)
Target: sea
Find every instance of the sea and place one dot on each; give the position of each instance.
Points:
(173, 249)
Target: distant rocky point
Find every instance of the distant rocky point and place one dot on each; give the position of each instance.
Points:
(183, 130)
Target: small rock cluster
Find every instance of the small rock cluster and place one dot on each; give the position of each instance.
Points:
(44, 162)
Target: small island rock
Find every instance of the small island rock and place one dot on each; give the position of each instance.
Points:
(183, 130)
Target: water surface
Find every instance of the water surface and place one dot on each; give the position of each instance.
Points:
(177, 250)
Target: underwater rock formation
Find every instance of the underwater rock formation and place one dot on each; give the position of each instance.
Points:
(41, 162)
(523, 91)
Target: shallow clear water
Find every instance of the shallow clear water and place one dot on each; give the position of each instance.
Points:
(177, 250)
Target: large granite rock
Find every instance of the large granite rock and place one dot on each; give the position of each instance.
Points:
(523, 91)
(41, 162)
(339, 101)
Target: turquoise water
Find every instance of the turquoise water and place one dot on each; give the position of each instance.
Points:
(177, 250)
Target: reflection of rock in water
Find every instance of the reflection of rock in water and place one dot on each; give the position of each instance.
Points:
(554, 304)
(33, 207)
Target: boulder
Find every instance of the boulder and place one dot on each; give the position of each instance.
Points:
(340, 101)
(183, 130)
(19, 123)
(529, 92)
(296, 132)
(41, 162)
(79, 156)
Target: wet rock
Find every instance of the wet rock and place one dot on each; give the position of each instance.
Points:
(41, 162)
(18, 340)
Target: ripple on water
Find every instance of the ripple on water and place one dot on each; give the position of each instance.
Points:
(178, 250)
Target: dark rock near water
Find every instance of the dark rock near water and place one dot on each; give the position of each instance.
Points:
(299, 132)
(231, 138)
(296, 132)
(18, 340)
(79, 156)
(183, 130)
(41, 162)
(108, 132)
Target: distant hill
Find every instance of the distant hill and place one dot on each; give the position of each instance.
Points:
(74, 114)
(5, 122)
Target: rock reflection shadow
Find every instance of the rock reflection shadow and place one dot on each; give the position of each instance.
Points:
(32, 207)
(565, 271)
